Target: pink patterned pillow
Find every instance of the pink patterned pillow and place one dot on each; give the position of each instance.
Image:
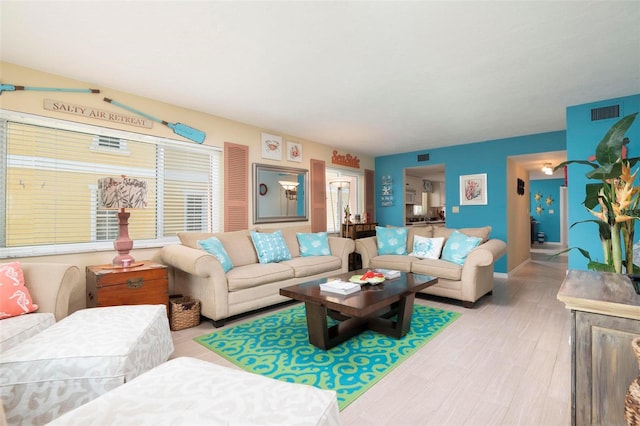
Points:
(14, 296)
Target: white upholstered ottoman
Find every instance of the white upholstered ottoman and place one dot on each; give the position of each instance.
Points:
(80, 358)
(15, 330)
(189, 391)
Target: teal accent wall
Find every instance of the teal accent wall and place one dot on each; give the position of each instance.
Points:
(547, 222)
(583, 135)
(488, 157)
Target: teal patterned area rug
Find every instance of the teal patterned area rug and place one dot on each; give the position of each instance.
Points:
(277, 346)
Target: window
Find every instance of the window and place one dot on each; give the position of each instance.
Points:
(110, 144)
(49, 171)
(104, 222)
(195, 212)
(106, 225)
(342, 189)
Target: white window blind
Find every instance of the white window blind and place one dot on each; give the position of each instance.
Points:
(49, 171)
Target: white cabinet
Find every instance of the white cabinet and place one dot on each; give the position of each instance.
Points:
(410, 196)
(438, 196)
(412, 189)
(425, 201)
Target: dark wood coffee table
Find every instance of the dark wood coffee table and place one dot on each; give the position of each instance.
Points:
(373, 308)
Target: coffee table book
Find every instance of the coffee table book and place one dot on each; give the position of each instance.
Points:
(339, 287)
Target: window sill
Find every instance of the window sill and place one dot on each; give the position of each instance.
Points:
(61, 249)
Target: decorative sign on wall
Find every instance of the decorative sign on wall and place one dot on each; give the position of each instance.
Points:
(520, 189)
(99, 114)
(180, 129)
(345, 160)
(386, 192)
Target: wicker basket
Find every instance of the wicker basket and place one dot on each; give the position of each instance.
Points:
(185, 312)
(632, 400)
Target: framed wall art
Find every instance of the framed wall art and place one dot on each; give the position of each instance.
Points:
(294, 152)
(473, 190)
(271, 147)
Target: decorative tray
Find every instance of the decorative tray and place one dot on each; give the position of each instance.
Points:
(360, 280)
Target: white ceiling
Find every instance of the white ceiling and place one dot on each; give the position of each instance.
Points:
(366, 77)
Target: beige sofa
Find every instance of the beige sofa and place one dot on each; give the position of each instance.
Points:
(467, 282)
(249, 285)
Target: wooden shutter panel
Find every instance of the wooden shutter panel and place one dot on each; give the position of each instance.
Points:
(318, 196)
(236, 187)
(369, 194)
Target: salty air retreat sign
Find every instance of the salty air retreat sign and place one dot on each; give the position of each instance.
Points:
(86, 111)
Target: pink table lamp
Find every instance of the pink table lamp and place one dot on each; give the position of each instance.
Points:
(119, 193)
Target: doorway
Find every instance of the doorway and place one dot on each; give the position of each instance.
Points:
(425, 193)
(523, 208)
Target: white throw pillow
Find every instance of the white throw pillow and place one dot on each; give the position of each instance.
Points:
(427, 248)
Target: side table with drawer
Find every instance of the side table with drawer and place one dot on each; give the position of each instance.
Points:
(144, 283)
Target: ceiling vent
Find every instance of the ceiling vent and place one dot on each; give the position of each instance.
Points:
(604, 113)
(423, 157)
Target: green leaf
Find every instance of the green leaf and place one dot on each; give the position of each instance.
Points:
(582, 251)
(609, 149)
(592, 195)
(607, 171)
(585, 162)
(603, 229)
(632, 212)
(600, 267)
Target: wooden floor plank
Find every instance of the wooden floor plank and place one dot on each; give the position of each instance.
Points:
(507, 361)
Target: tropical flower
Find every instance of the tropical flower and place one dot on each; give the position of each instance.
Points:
(613, 200)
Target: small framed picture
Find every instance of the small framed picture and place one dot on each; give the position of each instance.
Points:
(473, 190)
(294, 152)
(271, 147)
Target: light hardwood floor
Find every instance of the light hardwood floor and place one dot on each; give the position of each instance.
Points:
(505, 362)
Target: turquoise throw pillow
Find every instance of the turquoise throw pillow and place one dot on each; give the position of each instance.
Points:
(313, 244)
(391, 240)
(214, 246)
(458, 247)
(270, 247)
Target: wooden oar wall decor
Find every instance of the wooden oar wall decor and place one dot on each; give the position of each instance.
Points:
(178, 128)
(13, 88)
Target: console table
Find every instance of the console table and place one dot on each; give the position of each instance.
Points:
(355, 231)
(605, 318)
(358, 230)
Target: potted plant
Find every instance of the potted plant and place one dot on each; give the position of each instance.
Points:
(612, 199)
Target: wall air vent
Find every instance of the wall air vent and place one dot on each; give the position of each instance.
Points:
(604, 113)
(423, 157)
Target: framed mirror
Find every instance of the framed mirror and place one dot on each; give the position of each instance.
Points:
(280, 194)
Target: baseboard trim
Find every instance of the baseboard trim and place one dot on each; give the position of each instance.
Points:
(520, 266)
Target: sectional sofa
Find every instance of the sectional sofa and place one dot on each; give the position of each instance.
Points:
(466, 278)
(248, 284)
(107, 366)
(53, 287)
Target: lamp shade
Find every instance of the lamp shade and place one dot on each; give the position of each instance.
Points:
(340, 183)
(288, 185)
(115, 193)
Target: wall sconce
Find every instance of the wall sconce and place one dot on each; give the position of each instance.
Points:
(290, 189)
(118, 193)
(547, 169)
